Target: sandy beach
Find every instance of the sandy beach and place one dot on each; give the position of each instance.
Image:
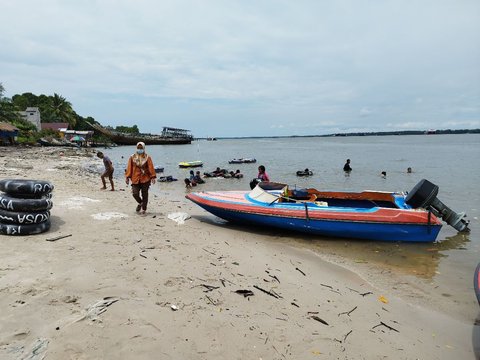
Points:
(125, 286)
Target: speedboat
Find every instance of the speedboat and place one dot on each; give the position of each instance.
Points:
(190, 164)
(370, 215)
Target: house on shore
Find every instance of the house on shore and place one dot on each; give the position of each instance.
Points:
(8, 133)
(58, 127)
(32, 114)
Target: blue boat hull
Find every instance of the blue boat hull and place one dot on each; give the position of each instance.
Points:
(333, 228)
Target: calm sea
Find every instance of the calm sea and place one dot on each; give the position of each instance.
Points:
(449, 161)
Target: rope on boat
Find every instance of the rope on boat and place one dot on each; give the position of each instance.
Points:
(306, 211)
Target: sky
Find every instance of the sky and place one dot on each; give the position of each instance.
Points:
(226, 68)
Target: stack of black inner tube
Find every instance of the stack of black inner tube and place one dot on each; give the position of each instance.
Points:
(25, 206)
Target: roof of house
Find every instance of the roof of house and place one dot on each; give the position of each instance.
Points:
(54, 126)
(7, 127)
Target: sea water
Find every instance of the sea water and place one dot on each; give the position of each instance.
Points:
(449, 161)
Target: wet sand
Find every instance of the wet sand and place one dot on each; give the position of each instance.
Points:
(144, 287)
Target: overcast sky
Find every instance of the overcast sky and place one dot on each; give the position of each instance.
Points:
(250, 67)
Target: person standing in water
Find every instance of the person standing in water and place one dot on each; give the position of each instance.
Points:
(347, 167)
(108, 171)
(141, 173)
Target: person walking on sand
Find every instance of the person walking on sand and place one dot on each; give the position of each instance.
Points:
(108, 171)
(347, 167)
(141, 173)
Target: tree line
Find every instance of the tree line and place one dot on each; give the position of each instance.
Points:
(53, 108)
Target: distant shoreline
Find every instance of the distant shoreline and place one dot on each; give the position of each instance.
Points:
(380, 133)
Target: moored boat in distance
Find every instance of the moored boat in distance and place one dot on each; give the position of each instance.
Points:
(243, 161)
(369, 215)
(190, 164)
(169, 136)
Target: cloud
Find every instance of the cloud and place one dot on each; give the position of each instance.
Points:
(231, 67)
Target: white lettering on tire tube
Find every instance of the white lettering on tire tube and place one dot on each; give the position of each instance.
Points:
(18, 204)
(18, 230)
(25, 218)
(18, 187)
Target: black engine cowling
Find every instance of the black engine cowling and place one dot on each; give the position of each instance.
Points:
(424, 195)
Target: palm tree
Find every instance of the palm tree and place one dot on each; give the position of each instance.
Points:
(62, 109)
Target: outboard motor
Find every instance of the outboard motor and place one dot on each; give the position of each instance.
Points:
(424, 195)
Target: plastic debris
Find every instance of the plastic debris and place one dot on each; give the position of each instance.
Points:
(179, 217)
(93, 311)
(383, 299)
(109, 215)
(39, 348)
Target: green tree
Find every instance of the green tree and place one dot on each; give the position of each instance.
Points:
(8, 112)
(62, 110)
(128, 129)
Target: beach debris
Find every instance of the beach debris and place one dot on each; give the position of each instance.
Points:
(143, 256)
(58, 237)
(211, 300)
(245, 293)
(348, 312)
(235, 263)
(274, 277)
(387, 326)
(300, 271)
(383, 299)
(271, 293)
(209, 287)
(344, 337)
(367, 293)
(179, 217)
(38, 350)
(292, 303)
(93, 311)
(173, 307)
(109, 216)
(315, 317)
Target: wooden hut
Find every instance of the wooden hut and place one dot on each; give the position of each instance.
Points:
(8, 133)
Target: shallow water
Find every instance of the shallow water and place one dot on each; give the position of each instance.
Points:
(449, 161)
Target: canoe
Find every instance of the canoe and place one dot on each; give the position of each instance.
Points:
(190, 164)
(370, 215)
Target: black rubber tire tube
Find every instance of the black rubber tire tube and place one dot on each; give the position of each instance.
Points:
(23, 218)
(19, 230)
(11, 203)
(18, 187)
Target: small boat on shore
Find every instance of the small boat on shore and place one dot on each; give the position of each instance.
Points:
(243, 161)
(190, 164)
(369, 215)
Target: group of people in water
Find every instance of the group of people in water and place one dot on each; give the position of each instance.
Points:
(140, 173)
(347, 168)
(196, 178)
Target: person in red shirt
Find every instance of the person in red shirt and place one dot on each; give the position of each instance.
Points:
(141, 173)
